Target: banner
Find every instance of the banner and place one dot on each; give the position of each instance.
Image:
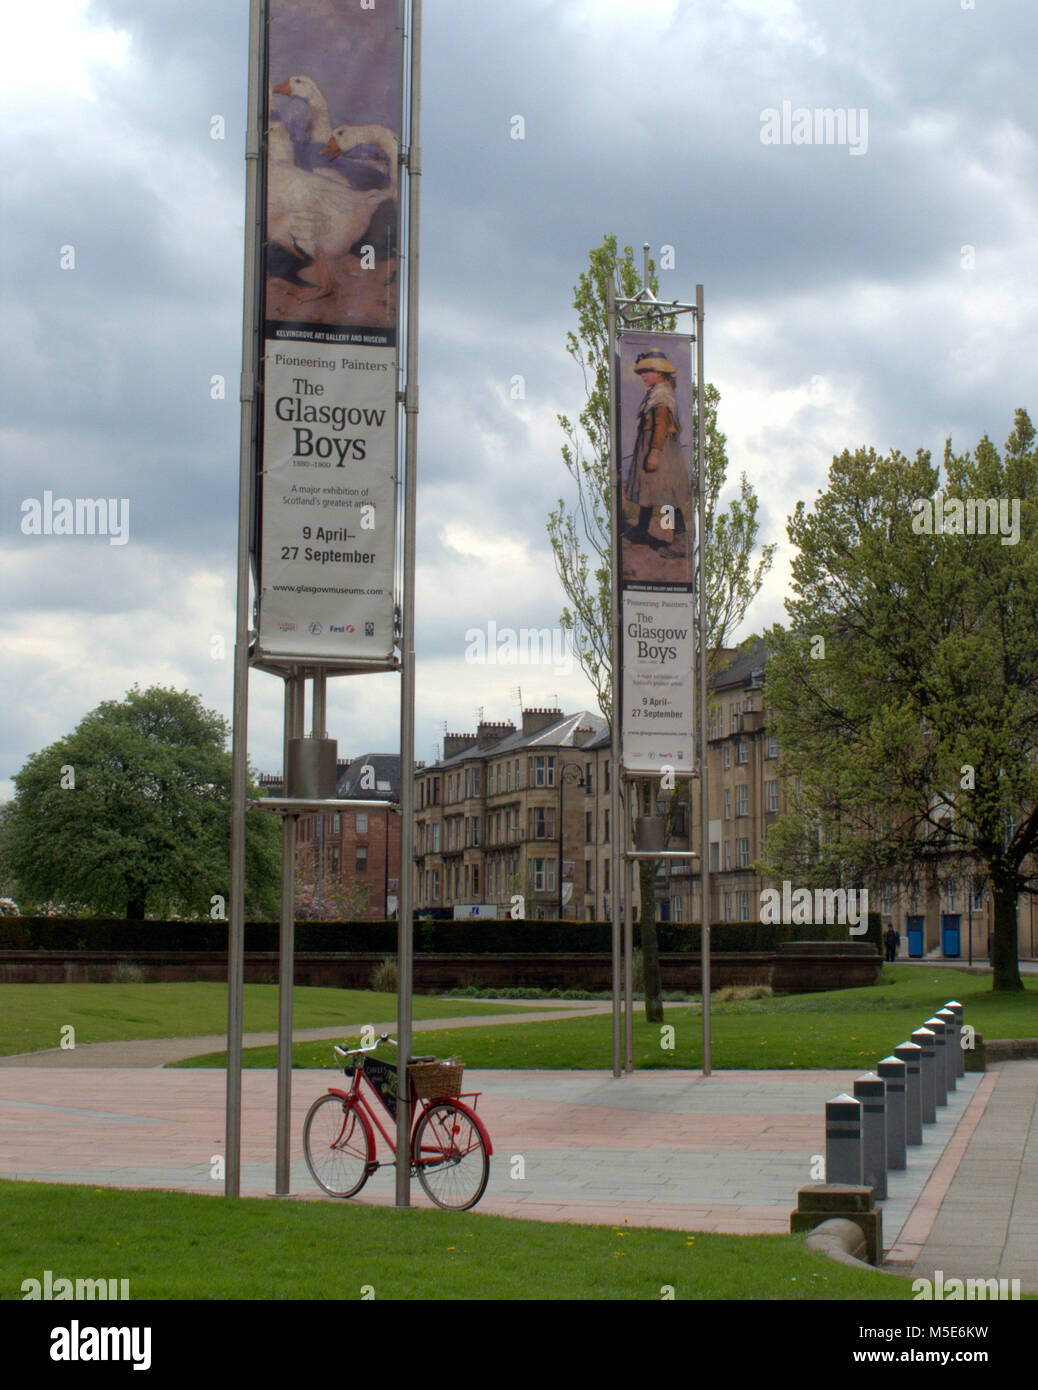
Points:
(326, 531)
(657, 541)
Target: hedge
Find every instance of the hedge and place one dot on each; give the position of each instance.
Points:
(484, 937)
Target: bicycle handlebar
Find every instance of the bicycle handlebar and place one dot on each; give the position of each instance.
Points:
(355, 1051)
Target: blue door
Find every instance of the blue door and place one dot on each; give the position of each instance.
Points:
(915, 936)
(950, 934)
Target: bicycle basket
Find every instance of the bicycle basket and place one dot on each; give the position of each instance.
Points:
(431, 1078)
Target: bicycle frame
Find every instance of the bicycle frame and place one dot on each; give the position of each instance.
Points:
(369, 1112)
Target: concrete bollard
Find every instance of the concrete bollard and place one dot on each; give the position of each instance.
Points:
(894, 1073)
(843, 1141)
(912, 1055)
(939, 1030)
(960, 1056)
(951, 1023)
(924, 1039)
(871, 1090)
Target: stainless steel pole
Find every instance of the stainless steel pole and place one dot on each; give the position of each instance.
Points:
(704, 778)
(405, 925)
(240, 709)
(629, 871)
(295, 693)
(616, 693)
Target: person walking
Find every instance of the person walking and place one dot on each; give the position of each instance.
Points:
(891, 940)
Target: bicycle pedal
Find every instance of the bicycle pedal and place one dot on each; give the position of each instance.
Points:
(372, 1167)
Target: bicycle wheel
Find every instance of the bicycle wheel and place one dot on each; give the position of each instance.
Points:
(451, 1157)
(337, 1146)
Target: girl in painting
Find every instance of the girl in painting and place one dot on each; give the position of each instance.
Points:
(659, 474)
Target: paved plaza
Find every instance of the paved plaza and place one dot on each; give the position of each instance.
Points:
(725, 1153)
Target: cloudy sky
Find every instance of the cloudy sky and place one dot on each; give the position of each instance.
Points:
(880, 295)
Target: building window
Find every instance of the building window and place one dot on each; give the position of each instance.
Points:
(475, 880)
(773, 796)
(475, 830)
(742, 799)
(727, 803)
(606, 837)
(508, 776)
(544, 875)
(475, 781)
(605, 875)
(744, 906)
(589, 875)
(544, 822)
(742, 850)
(362, 822)
(588, 827)
(436, 885)
(726, 756)
(436, 791)
(608, 775)
(772, 746)
(715, 855)
(335, 823)
(886, 899)
(588, 779)
(543, 770)
(362, 859)
(517, 774)
(729, 907)
(733, 718)
(742, 751)
(335, 859)
(728, 855)
(436, 838)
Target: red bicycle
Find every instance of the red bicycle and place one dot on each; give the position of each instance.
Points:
(450, 1147)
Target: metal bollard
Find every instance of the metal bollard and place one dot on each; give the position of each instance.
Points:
(894, 1073)
(960, 1056)
(912, 1055)
(951, 1023)
(939, 1029)
(843, 1140)
(924, 1039)
(871, 1090)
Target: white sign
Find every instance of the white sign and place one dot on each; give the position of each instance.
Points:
(657, 681)
(328, 511)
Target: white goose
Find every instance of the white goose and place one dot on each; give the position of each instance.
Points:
(310, 138)
(381, 230)
(312, 218)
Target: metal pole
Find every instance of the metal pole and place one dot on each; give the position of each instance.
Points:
(560, 835)
(405, 924)
(630, 870)
(239, 725)
(318, 729)
(704, 790)
(295, 693)
(616, 697)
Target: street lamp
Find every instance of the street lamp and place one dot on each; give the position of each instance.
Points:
(578, 781)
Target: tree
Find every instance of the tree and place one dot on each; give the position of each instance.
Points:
(131, 814)
(904, 691)
(337, 901)
(582, 543)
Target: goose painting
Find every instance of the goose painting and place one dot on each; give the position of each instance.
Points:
(345, 140)
(310, 129)
(312, 218)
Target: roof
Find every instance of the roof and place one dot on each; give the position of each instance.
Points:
(748, 661)
(355, 780)
(559, 734)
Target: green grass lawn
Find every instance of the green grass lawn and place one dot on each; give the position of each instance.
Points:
(836, 1029)
(32, 1016)
(177, 1246)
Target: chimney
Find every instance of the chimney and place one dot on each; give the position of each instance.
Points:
(534, 720)
(454, 743)
(489, 734)
(582, 736)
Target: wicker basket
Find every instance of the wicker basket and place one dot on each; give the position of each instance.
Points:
(431, 1078)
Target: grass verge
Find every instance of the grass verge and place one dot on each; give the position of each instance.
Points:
(832, 1030)
(32, 1016)
(177, 1246)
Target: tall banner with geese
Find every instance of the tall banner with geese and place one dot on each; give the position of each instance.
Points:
(325, 533)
